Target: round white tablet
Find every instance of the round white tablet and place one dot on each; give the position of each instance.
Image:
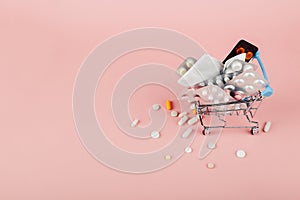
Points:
(155, 134)
(174, 113)
(188, 150)
(240, 153)
(211, 145)
(155, 107)
(210, 165)
(168, 157)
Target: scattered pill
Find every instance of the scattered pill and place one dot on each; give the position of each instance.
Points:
(182, 120)
(267, 126)
(187, 132)
(210, 165)
(182, 114)
(168, 105)
(134, 123)
(192, 120)
(194, 112)
(236, 65)
(240, 153)
(155, 134)
(174, 113)
(211, 145)
(249, 55)
(155, 107)
(168, 157)
(188, 150)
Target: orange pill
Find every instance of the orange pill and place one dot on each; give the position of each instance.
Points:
(194, 111)
(169, 105)
(240, 50)
(249, 55)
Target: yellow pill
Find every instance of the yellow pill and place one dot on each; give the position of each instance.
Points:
(168, 105)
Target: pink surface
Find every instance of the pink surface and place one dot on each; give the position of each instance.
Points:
(43, 44)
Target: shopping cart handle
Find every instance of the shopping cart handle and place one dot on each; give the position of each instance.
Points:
(268, 90)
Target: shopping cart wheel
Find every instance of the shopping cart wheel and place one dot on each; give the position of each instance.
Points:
(254, 130)
(205, 131)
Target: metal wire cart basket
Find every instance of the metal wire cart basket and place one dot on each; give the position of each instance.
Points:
(230, 88)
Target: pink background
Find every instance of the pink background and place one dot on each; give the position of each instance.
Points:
(43, 44)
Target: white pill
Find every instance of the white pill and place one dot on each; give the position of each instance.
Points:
(229, 87)
(236, 66)
(182, 114)
(259, 82)
(182, 120)
(249, 74)
(192, 120)
(211, 145)
(240, 153)
(267, 126)
(239, 81)
(192, 107)
(155, 134)
(168, 157)
(188, 150)
(155, 107)
(210, 165)
(187, 132)
(249, 88)
(174, 113)
(248, 67)
(134, 123)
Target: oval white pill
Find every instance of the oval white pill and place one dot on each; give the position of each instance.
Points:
(240, 153)
(182, 114)
(210, 165)
(188, 150)
(155, 134)
(192, 120)
(155, 107)
(267, 126)
(174, 113)
(134, 123)
(182, 120)
(187, 132)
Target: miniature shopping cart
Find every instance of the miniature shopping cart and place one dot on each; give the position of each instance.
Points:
(246, 107)
(236, 75)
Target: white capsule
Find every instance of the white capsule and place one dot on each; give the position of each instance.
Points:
(188, 150)
(267, 126)
(155, 134)
(182, 114)
(182, 120)
(135, 122)
(193, 120)
(210, 165)
(229, 87)
(174, 113)
(240, 154)
(187, 133)
(155, 107)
